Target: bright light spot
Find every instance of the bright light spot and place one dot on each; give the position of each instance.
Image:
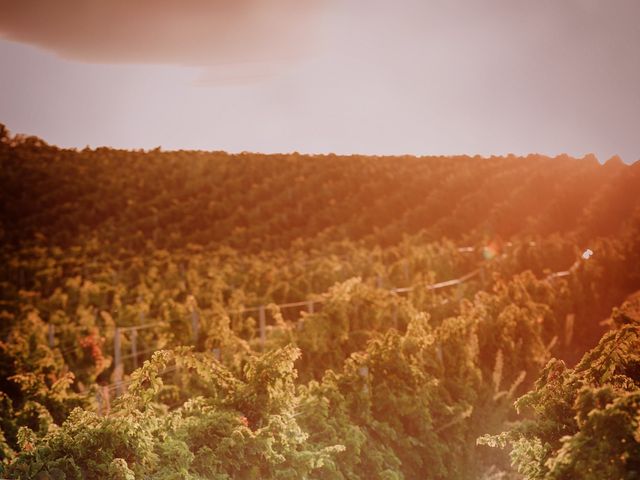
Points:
(586, 254)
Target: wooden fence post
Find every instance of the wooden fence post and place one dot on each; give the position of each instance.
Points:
(262, 325)
(364, 373)
(195, 326)
(134, 347)
(105, 395)
(51, 334)
(395, 316)
(568, 328)
(141, 315)
(99, 402)
(118, 370)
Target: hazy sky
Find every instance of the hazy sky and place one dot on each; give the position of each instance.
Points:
(345, 76)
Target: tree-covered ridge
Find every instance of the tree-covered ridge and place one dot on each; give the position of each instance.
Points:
(257, 202)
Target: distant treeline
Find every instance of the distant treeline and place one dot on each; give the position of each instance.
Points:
(258, 202)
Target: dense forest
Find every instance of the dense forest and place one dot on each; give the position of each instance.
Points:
(205, 315)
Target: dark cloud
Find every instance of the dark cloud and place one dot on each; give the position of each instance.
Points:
(184, 32)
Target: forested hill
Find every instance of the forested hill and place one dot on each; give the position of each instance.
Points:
(204, 315)
(263, 202)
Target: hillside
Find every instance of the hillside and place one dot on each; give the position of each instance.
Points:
(345, 317)
(264, 202)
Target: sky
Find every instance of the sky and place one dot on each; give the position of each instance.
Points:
(424, 77)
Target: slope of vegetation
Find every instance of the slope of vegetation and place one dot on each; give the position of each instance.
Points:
(358, 379)
(256, 202)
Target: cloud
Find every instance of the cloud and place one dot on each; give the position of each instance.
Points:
(239, 74)
(182, 32)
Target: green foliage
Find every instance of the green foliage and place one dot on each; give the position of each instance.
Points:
(257, 202)
(242, 428)
(352, 314)
(371, 383)
(585, 421)
(34, 384)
